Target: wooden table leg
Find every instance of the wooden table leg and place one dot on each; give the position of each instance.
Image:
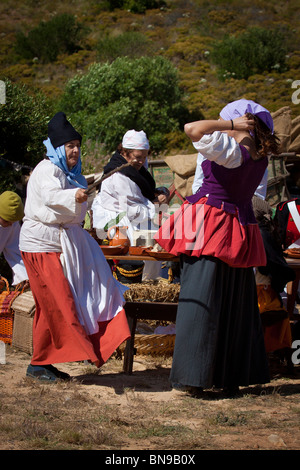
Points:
(144, 311)
(129, 348)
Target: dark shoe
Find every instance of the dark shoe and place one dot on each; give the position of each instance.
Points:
(61, 375)
(41, 373)
(194, 391)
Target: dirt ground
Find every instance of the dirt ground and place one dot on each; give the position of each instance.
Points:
(107, 410)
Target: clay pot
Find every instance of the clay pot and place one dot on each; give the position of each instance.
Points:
(119, 238)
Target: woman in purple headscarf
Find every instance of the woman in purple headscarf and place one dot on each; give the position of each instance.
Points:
(219, 339)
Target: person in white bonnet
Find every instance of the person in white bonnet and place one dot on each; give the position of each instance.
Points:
(131, 190)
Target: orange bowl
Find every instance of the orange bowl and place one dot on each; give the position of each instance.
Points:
(137, 250)
(163, 255)
(113, 250)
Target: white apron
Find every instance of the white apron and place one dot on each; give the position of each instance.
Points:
(98, 295)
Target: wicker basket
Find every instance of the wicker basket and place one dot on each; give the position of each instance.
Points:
(152, 345)
(6, 327)
(24, 309)
(7, 297)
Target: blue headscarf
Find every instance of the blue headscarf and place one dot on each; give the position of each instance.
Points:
(58, 157)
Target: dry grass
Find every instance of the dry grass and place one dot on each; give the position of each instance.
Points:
(108, 410)
(154, 290)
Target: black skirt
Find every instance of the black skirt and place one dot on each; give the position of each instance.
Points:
(219, 337)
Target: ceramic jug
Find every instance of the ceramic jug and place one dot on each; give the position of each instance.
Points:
(118, 237)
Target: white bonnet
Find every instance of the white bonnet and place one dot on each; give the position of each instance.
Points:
(135, 140)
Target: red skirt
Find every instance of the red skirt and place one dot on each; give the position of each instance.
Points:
(58, 335)
(200, 229)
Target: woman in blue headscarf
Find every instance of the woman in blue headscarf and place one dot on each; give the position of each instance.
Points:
(79, 305)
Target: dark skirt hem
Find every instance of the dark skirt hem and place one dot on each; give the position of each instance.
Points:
(219, 337)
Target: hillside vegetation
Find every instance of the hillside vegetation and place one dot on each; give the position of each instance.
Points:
(194, 35)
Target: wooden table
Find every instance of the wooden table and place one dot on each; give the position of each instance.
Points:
(138, 257)
(143, 310)
(167, 310)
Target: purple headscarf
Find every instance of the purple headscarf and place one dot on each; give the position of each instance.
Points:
(240, 107)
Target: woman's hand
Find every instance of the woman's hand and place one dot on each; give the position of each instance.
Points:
(243, 123)
(162, 199)
(81, 196)
(162, 195)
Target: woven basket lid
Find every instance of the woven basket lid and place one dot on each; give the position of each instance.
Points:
(24, 302)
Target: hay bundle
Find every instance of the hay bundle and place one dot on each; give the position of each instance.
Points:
(152, 291)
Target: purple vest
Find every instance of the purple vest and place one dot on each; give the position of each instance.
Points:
(234, 187)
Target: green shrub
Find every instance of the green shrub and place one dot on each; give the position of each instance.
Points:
(127, 94)
(131, 44)
(10, 176)
(23, 125)
(61, 35)
(135, 6)
(254, 51)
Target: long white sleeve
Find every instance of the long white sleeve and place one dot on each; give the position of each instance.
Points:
(50, 198)
(220, 148)
(199, 175)
(9, 246)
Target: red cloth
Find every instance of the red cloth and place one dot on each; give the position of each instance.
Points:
(57, 334)
(292, 233)
(200, 229)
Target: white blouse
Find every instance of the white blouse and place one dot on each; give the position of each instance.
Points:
(220, 148)
(50, 204)
(53, 223)
(231, 158)
(120, 194)
(9, 246)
